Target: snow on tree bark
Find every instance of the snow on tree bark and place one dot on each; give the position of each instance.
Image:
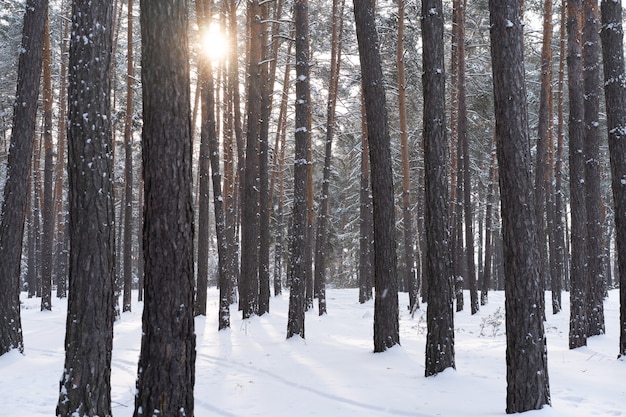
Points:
(85, 387)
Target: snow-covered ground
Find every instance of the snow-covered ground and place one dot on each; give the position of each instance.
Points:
(251, 370)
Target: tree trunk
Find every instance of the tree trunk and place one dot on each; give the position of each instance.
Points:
(166, 364)
(249, 280)
(321, 241)
(386, 326)
(486, 282)
(48, 215)
(85, 387)
(593, 199)
(578, 290)
(526, 353)
(366, 278)
(61, 247)
(297, 270)
(557, 272)
(411, 282)
(18, 174)
(207, 129)
(439, 313)
(280, 171)
(544, 137)
(468, 214)
(128, 168)
(615, 94)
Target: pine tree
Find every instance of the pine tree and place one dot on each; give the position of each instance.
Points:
(526, 353)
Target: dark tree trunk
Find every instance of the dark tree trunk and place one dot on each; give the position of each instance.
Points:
(280, 168)
(47, 236)
(411, 272)
(18, 173)
(544, 136)
(526, 353)
(267, 84)
(61, 252)
(486, 282)
(557, 229)
(235, 196)
(386, 326)
(297, 269)
(207, 129)
(366, 278)
(612, 36)
(249, 280)
(85, 387)
(578, 280)
(209, 123)
(128, 168)
(439, 313)
(593, 199)
(467, 177)
(321, 241)
(166, 364)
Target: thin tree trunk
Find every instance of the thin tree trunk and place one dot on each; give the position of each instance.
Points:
(249, 280)
(366, 278)
(487, 268)
(321, 241)
(578, 291)
(558, 272)
(279, 169)
(467, 178)
(544, 137)
(297, 270)
(411, 282)
(128, 167)
(60, 258)
(48, 215)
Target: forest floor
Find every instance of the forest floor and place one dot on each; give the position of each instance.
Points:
(251, 370)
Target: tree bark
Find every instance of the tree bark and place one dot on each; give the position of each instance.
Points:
(526, 353)
(544, 136)
(47, 236)
(297, 270)
(439, 313)
(593, 198)
(578, 290)
(386, 326)
(166, 364)
(411, 281)
(128, 167)
(321, 241)
(61, 246)
(85, 387)
(18, 173)
(249, 280)
(612, 37)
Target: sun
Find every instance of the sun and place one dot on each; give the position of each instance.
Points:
(214, 43)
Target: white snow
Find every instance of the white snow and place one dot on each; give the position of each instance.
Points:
(251, 370)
